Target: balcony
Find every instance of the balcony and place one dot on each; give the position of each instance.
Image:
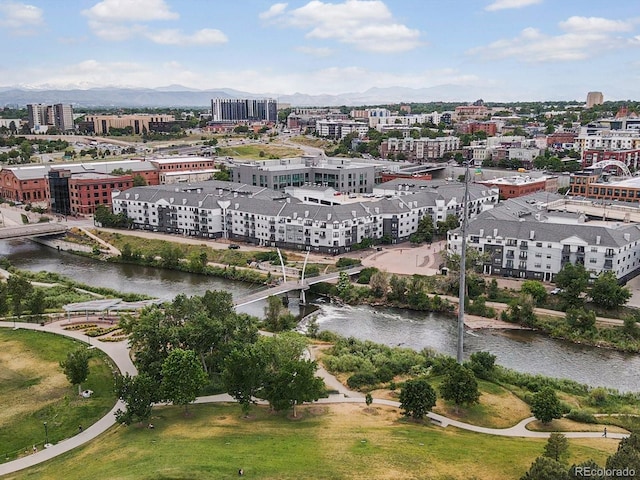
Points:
(609, 254)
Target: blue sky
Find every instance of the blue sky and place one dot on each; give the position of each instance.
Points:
(498, 50)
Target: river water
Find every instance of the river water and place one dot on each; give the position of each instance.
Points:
(523, 351)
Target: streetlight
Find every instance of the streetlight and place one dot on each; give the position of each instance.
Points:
(46, 435)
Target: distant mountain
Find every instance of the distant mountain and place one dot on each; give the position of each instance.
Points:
(180, 96)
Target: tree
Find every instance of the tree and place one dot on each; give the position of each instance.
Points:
(138, 393)
(460, 386)
(581, 319)
(557, 447)
(182, 377)
(139, 181)
(424, 232)
(573, 280)
(626, 459)
(272, 313)
(607, 293)
(35, 302)
(76, 367)
(18, 289)
(4, 304)
(545, 405)
(197, 261)
(451, 222)
(545, 468)
(243, 375)
(379, 284)
(536, 289)
(482, 364)
(289, 379)
(417, 398)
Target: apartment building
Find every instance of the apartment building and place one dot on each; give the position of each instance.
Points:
(244, 110)
(342, 174)
(338, 129)
(419, 149)
(592, 184)
(42, 116)
(265, 217)
(534, 247)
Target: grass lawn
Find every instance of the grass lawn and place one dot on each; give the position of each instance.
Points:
(253, 151)
(327, 442)
(34, 390)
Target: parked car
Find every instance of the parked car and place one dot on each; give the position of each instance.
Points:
(556, 291)
(233, 246)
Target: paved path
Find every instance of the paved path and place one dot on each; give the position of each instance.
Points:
(119, 353)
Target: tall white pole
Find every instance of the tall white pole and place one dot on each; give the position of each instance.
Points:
(463, 264)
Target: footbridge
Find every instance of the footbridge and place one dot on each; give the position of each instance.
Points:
(294, 285)
(32, 230)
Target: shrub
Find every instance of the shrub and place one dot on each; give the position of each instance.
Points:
(384, 374)
(345, 262)
(581, 416)
(360, 379)
(365, 275)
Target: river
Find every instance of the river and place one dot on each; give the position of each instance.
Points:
(523, 351)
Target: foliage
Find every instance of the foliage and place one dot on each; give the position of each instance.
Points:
(425, 230)
(536, 289)
(482, 364)
(289, 379)
(557, 447)
(417, 398)
(365, 275)
(545, 468)
(580, 319)
(76, 366)
(460, 386)
(103, 216)
(18, 288)
(606, 292)
(521, 311)
(451, 222)
(277, 318)
(346, 262)
(182, 377)
(379, 284)
(243, 375)
(137, 393)
(545, 405)
(573, 280)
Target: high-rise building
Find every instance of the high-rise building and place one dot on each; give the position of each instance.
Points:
(59, 115)
(63, 117)
(594, 98)
(243, 110)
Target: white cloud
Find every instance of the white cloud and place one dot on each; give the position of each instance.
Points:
(115, 11)
(315, 51)
(508, 4)
(584, 38)
(20, 17)
(366, 24)
(275, 10)
(595, 24)
(205, 36)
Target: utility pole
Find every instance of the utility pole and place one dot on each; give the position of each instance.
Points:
(463, 263)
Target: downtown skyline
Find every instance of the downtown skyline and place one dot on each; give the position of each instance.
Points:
(498, 50)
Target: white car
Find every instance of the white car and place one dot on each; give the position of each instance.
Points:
(556, 291)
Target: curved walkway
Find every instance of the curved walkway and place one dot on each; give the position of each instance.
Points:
(119, 353)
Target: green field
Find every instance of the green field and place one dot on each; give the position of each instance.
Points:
(327, 442)
(34, 390)
(253, 151)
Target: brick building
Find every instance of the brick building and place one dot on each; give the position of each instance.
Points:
(518, 186)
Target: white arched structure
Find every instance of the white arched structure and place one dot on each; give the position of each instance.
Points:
(607, 163)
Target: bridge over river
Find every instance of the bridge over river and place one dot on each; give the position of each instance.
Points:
(293, 285)
(32, 230)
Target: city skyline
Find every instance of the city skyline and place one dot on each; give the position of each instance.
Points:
(498, 50)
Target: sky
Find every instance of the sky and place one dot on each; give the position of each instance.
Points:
(498, 50)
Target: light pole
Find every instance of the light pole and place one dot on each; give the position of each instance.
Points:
(462, 290)
(46, 435)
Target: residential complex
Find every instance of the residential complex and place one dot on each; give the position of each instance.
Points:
(521, 238)
(269, 218)
(419, 149)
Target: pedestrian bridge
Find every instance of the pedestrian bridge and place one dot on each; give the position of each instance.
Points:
(32, 230)
(293, 285)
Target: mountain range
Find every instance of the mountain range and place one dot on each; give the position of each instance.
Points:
(180, 96)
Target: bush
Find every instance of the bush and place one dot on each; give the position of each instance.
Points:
(384, 374)
(346, 262)
(581, 416)
(361, 379)
(365, 275)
